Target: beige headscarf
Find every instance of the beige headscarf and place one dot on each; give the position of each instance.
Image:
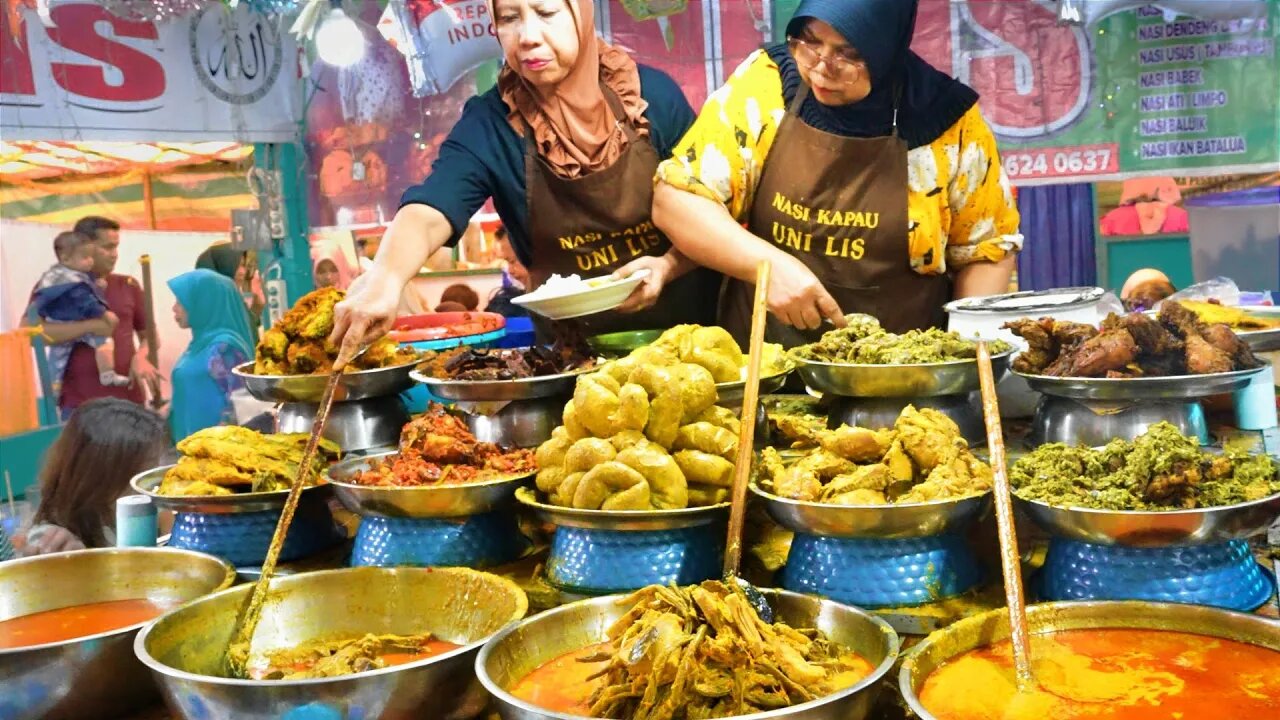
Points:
(573, 127)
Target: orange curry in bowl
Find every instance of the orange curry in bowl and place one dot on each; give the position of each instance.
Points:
(1111, 674)
(77, 621)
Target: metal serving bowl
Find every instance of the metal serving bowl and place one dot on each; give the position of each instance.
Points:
(1177, 387)
(544, 386)
(440, 501)
(979, 631)
(922, 380)
(886, 522)
(185, 649)
(147, 482)
(622, 520)
(1165, 528)
(519, 650)
(96, 675)
(730, 394)
(359, 385)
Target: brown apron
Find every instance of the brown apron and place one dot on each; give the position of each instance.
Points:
(594, 224)
(839, 205)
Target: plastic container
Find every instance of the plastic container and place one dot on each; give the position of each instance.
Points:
(1237, 235)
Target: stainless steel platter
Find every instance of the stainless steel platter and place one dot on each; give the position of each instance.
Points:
(729, 394)
(905, 381)
(441, 501)
(147, 482)
(622, 520)
(546, 386)
(308, 388)
(897, 521)
(185, 649)
(95, 676)
(1178, 387)
(975, 632)
(521, 649)
(1261, 340)
(1134, 528)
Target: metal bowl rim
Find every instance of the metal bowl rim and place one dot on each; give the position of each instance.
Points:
(431, 381)
(229, 500)
(755, 488)
(1125, 382)
(240, 371)
(800, 361)
(228, 581)
(877, 674)
(514, 477)
(912, 698)
(140, 651)
(779, 372)
(1179, 512)
(603, 515)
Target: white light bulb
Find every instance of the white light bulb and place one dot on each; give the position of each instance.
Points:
(339, 40)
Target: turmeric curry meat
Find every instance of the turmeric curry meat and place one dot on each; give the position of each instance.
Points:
(923, 458)
(299, 343)
(228, 459)
(702, 652)
(1177, 342)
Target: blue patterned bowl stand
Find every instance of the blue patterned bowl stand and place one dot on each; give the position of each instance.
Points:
(478, 541)
(881, 573)
(242, 538)
(600, 562)
(1223, 575)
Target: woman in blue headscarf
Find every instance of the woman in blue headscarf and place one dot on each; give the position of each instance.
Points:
(210, 305)
(867, 177)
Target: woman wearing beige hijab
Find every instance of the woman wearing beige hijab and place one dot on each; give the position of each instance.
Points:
(566, 145)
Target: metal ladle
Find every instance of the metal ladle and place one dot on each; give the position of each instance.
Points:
(746, 449)
(247, 622)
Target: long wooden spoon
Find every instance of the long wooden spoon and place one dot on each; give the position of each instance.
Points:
(1010, 559)
(247, 622)
(746, 448)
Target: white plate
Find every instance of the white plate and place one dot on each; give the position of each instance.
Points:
(583, 300)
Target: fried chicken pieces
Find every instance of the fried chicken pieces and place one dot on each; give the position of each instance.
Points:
(923, 458)
(299, 344)
(682, 653)
(437, 448)
(1133, 345)
(643, 432)
(228, 459)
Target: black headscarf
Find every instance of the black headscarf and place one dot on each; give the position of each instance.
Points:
(222, 259)
(929, 101)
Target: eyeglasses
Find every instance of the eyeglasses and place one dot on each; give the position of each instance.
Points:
(842, 65)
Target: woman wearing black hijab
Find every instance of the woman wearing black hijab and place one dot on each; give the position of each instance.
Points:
(865, 176)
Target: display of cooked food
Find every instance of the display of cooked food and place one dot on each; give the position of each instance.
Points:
(436, 448)
(922, 459)
(1109, 673)
(1176, 342)
(464, 363)
(228, 459)
(693, 652)
(1236, 318)
(299, 343)
(347, 656)
(712, 348)
(644, 432)
(1162, 469)
(864, 342)
(794, 422)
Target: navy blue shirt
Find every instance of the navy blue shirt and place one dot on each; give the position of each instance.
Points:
(483, 157)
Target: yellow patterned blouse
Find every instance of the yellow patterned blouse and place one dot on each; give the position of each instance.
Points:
(975, 217)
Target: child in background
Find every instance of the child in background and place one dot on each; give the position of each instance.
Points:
(67, 292)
